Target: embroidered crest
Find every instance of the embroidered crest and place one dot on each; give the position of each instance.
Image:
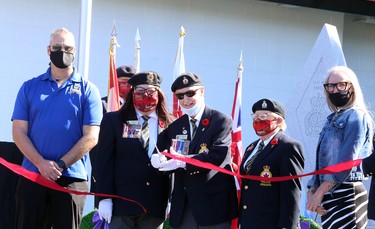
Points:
(204, 149)
(264, 104)
(266, 173)
(185, 80)
(76, 89)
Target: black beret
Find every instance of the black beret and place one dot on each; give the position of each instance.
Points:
(125, 71)
(187, 79)
(151, 78)
(270, 105)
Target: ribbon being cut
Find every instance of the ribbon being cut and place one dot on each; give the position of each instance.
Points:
(37, 178)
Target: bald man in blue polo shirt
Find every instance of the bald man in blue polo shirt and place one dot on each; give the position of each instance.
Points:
(56, 122)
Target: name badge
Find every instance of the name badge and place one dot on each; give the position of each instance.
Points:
(182, 137)
(132, 130)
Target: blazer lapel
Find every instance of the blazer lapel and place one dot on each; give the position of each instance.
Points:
(200, 130)
(267, 150)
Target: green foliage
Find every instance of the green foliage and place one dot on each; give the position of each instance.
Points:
(313, 224)
(86, 222)
(166, 224)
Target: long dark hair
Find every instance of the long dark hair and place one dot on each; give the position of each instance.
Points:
(161, 107)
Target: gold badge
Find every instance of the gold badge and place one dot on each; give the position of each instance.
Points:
(250, 147)
(264, 104)
(185, 80)
(204, 149)
(267, 174)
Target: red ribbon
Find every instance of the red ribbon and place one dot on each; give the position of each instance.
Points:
(328, 170)
(39, 179)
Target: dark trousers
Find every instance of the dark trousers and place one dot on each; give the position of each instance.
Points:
(188, 222)
(38, 207)
(136, 222)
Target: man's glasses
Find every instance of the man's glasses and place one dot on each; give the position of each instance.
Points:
(341, 86)
(188, 94)
(59, 47)
(149, 91)
(263, 116)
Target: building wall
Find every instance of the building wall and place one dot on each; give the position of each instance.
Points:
(275, 39)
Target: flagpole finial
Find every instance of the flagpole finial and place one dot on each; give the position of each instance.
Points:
(114, 30)
(182, 31)
(137, 37)
(137, 51)
(240, 66)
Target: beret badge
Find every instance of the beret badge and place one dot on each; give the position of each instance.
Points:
(185, 81)
(264, 104)
(150, 77)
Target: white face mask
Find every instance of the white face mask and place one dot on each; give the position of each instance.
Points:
(192, 111)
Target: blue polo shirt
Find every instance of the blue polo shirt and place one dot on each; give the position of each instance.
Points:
(56, 116)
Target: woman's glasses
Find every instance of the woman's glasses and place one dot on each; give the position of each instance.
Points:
(263, 116)
(188, 94)
(148, 91)
(341, 86)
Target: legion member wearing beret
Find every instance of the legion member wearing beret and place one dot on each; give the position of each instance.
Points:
(124, 73)
(126, 143)
(271, 204)
(200, 198)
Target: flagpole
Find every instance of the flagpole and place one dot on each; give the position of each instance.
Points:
(137, 52)
(236, 146)
(84, 38)
(179, 68)
(113, 99)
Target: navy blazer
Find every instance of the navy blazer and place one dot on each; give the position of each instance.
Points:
(368, 166)
(274, 204)
(124, 169)
(212, 201)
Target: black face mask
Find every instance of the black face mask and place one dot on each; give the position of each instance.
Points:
(61, 59)
(340, 99)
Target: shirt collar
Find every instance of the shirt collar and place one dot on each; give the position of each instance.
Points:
(199, 115)
(151, 115)
(75, 77)
(268, 140)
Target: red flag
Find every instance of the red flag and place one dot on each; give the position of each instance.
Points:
(179, 68)
(236, 147)
(113, 102)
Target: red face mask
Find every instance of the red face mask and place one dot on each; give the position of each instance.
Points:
(263, 127)
(145, 103)
(124, 88)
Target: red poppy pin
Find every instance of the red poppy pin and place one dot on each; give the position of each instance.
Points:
(161, 123)
(205, 122)
(274, 142)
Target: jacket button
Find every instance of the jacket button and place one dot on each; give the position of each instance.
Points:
(246, 187)
(149, 165)
(244, 207)
(148, 183)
